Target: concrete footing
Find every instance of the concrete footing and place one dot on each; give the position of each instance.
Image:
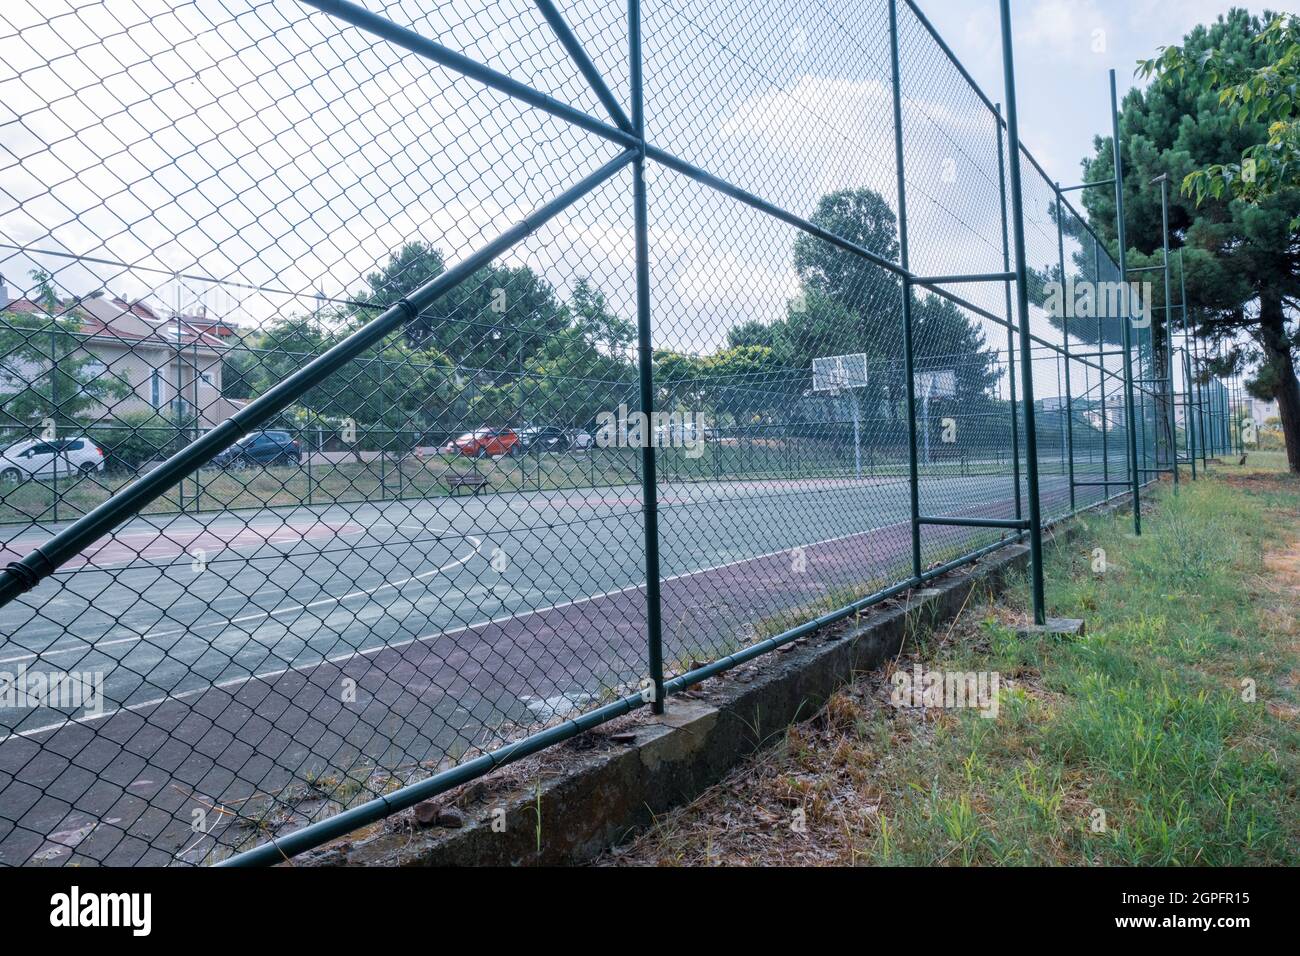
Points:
(1055, 627)
(567, 804)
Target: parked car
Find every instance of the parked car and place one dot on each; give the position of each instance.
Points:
(675, 436)
(544, 438)
(580, 440)
(261, 448)
(484, 443)
(34, 458)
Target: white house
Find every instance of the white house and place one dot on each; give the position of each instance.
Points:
(170, 363)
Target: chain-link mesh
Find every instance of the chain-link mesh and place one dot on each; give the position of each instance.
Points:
(437, 546)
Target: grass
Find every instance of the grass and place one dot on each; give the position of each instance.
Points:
(288, 486)
(1167, 736)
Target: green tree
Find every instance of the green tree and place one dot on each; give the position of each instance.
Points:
(578, 371)
(1258, 89)
(241, 365)
(596, 322)
(394, 395)
(570, 382)
(850, 306)
(583, 369)
(1242, 258)
(748, 384)
(133, 439)
(406, 270)
(389, 392)
(283, 347)
(493, 322)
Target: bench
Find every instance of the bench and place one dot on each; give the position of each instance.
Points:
(471, 480)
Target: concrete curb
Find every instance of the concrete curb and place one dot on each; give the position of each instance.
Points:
(568, 804)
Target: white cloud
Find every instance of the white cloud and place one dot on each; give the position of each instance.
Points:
(1063, 27)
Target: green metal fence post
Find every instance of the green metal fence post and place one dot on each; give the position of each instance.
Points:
(1168, 405)
(1241, 418)
(1011, 318)
(306, 435)
(645, 368)
(1223, 418)
(1200, 404)
(1187, 414)
(1022, 306)
(54, 418)
(908, 357)
(1125, 320)
(1187, 368)
(1065, 342)
(1101, 379)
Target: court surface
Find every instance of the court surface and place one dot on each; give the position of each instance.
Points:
(240, 650)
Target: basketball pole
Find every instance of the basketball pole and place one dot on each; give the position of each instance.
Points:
(857, 438)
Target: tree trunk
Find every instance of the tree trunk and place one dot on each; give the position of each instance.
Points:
(1277, 352)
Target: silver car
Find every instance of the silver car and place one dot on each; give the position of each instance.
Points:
(35, 458)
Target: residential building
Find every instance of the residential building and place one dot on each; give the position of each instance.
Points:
(171, 364)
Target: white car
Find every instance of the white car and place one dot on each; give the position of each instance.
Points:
(580, 440)
(34, 458)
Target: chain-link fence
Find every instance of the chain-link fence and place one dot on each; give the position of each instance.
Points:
(389, 391)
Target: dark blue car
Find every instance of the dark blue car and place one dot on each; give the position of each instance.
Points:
(261, 448)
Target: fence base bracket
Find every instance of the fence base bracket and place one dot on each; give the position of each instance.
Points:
(1055, 627)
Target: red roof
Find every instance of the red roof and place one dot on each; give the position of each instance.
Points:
(183, 330)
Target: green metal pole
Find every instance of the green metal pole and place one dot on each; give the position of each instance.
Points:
(1060, 422)
(54, 417)
(1168, 405)
(1022, 306)
(1101, 379)
(913, 483)
(1223, 418)
(1187, 368)
(1065, 340)
(1200, 405)
(645, 368)
(1126, 321)
(1011, 321)
(383, 442)
(1241, 436)
(1187, 418)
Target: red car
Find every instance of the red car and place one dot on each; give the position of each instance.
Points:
(484, 443)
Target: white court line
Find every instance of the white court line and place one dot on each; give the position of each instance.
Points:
(261, 615)
(235, 681)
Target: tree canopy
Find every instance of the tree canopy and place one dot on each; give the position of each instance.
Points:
(507, 347)
(1241, 254)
